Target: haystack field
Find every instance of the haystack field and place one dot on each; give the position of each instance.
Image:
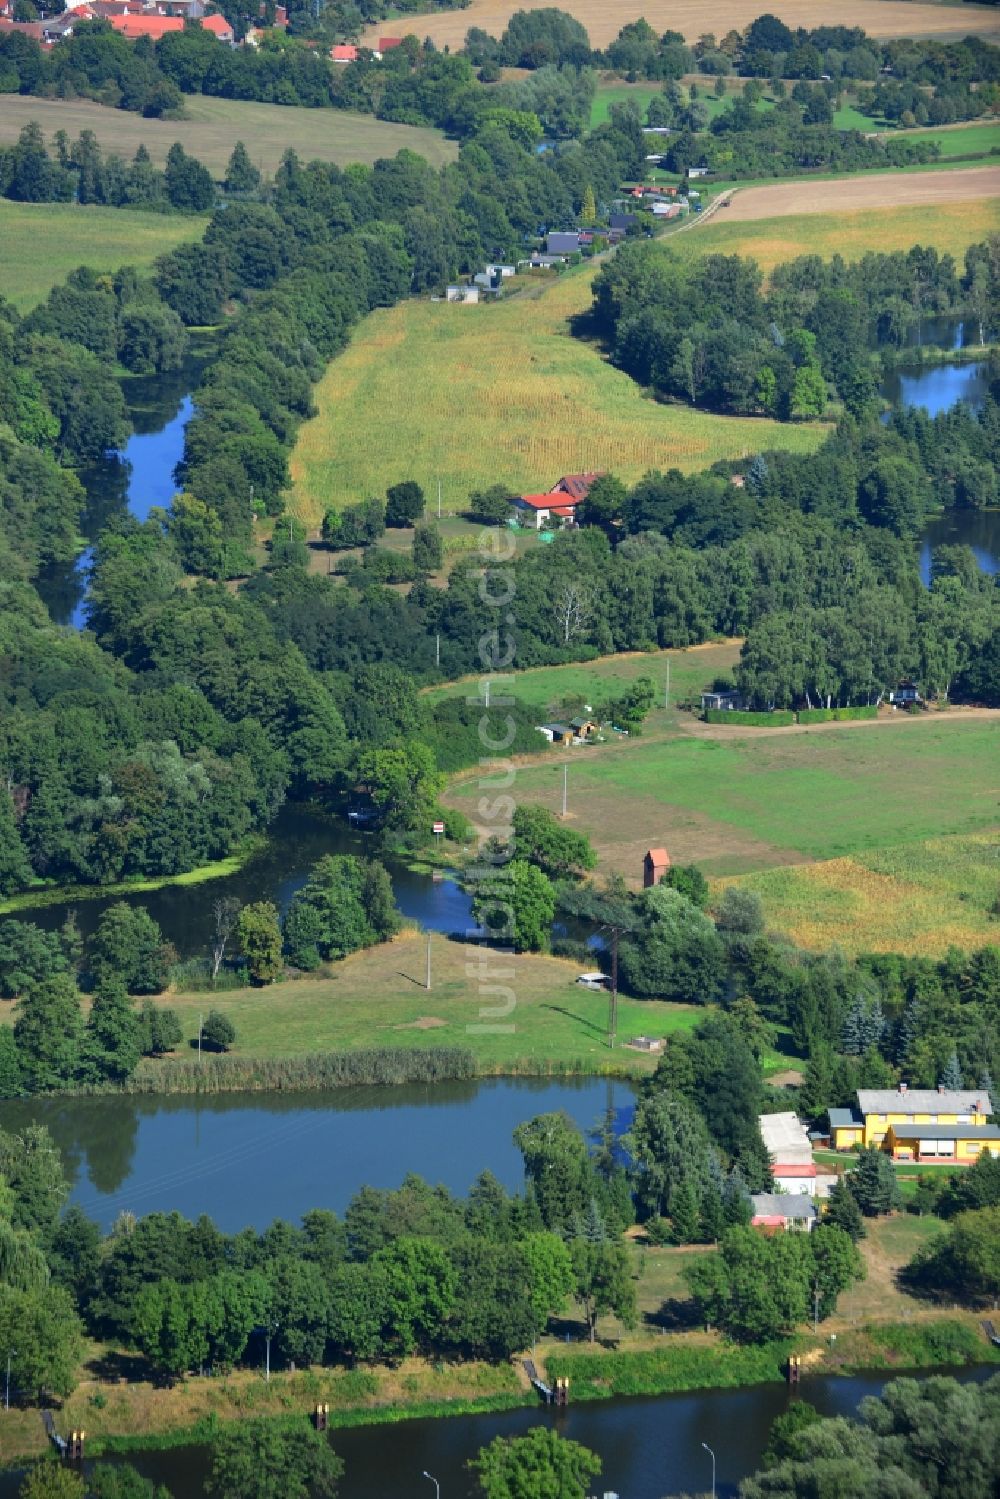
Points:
(605, 18)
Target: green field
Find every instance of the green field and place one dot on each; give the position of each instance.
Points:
(732, 802)
(377, 998)
(963, 140)
(43, 242)
(549, 688)
(211, 127)
(618, 93)
(506, 395)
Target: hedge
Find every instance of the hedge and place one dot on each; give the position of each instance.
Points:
(778, 719)
(835, 715)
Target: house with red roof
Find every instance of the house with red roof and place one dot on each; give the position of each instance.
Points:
(386, 43)
(132, 27)
(343, 52)
(557, 507)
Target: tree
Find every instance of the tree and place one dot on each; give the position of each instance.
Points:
(873, 1182)
(226, 912)
(550, 1275)
(260, 1460)
(15, 870)
(403, 782)
(258, 933)
(516, 904)
(674, 953)
(541, 1465)
(543, 840)
(217, 1032)
(241, 174)
(491, 507)
(557, 1168)
(842, 1210)
(44, 1329)
(346, 904)
(428, 549)
(160, 1029)
(48, 1032)
(573, 611)
(404, 504)
(128, 945)
(49, 1479)
(603, 1283)
(951, 1077)
(687, 880)
(113, 1037)
(189, 184)
(122, 1481)
(669, 1145)
(588, 207)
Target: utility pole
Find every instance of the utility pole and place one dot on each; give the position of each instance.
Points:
(565, 788)
(269, 1333)
(437, 650)
(11, 1352)
(613, 1001)
(201, 1021)
(487, 692)
(439, 499)
(428, 962)
(666, 690)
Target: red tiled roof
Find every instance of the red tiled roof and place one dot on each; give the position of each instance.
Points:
(218, 25)
(386, 43)
(538, 501)
(563, 510)
(658, 855)
(803, 1169)
(344, 53)
(575, 485)
(132, 26)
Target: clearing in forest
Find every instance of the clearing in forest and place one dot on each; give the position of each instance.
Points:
(879, 18)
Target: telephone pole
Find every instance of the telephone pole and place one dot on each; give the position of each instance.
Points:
(201, 1021)
(565, 788)
(666, 690)
(428, 962)
(439, 499)
(437, 650)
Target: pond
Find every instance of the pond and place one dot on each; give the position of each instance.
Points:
(650, 1447)
(937, 387)
(296, 839)
(248, 1158)
(978, 529)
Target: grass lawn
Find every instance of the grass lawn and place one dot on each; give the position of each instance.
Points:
(43, 242)
(549, 688)
(925, 897)
(734, 803)
(963, 140)
(212, 127)
(890, 1244)
(377, 998)
(848, 117)
(508, 396)
(618, 93)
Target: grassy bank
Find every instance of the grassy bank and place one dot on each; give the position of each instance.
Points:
(55, 895)
(43, 242)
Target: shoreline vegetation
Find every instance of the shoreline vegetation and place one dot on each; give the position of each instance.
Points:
(416, 1390)
(56, 895)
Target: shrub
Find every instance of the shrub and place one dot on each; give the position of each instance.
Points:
(218, 1032)
(779, 718)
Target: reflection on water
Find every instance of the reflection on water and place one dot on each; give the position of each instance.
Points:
(938, 388)
(251, 1158)
(136, 479)
(978, 529)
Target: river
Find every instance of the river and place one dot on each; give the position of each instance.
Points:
(248, 1158)
(650, 1447)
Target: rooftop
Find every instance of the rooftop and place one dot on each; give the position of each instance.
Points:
(785, 1137)
(844, 1119)
(793, 1168)
(783, 1205)
(924, 1101)
(946, 1131)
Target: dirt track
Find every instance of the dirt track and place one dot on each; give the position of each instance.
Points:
(891, 189)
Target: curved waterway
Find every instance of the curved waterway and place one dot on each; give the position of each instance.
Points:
(650, 1448)
(248, 1158)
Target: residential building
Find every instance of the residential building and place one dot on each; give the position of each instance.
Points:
(785, 1138)
(880, 1108)
(466, 294)
(561, 242)
(784, 1211)
(343, 52)
(721, 702)
(961, 1143)
(539, 511)
(133, 26)
(655, 863)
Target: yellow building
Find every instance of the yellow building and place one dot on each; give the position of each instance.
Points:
(961, 1143)
(880, 1110)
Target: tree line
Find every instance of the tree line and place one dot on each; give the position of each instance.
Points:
(80, 172)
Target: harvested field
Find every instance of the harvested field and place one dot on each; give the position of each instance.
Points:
(858, 193)
(211, 128)
(604, 21)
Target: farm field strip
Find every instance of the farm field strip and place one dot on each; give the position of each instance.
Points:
(898, 189)
(879, 18)
(212, 127)
(43, 242)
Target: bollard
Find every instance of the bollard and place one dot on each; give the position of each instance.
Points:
(794, 1363)
(74, 1447)
(321, 1417)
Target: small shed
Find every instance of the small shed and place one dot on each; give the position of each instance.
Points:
(557, 733)
(584, 727)
(462, 294)
(654, 866)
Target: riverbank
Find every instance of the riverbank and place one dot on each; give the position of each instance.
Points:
(138, 1416)
(57, 895)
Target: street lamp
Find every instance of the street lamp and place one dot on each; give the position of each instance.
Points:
(437, 1486)
(11, 1352)
(712, 1456)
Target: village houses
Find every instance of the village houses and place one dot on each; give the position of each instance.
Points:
(919, 1124)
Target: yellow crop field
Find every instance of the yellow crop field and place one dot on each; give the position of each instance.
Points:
(604, 20)
(919, 898)
(504, 394)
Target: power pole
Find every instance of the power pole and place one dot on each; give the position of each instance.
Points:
(666, 690)
(428, 962)
(613, 1001)
(487, 692)
(565, 788)
(439, 499)
(437, 650)
(201, 1021)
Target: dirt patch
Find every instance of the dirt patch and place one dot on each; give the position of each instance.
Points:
(789, 1079)
(422, 1023)
(604, 21)
(896, 190)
